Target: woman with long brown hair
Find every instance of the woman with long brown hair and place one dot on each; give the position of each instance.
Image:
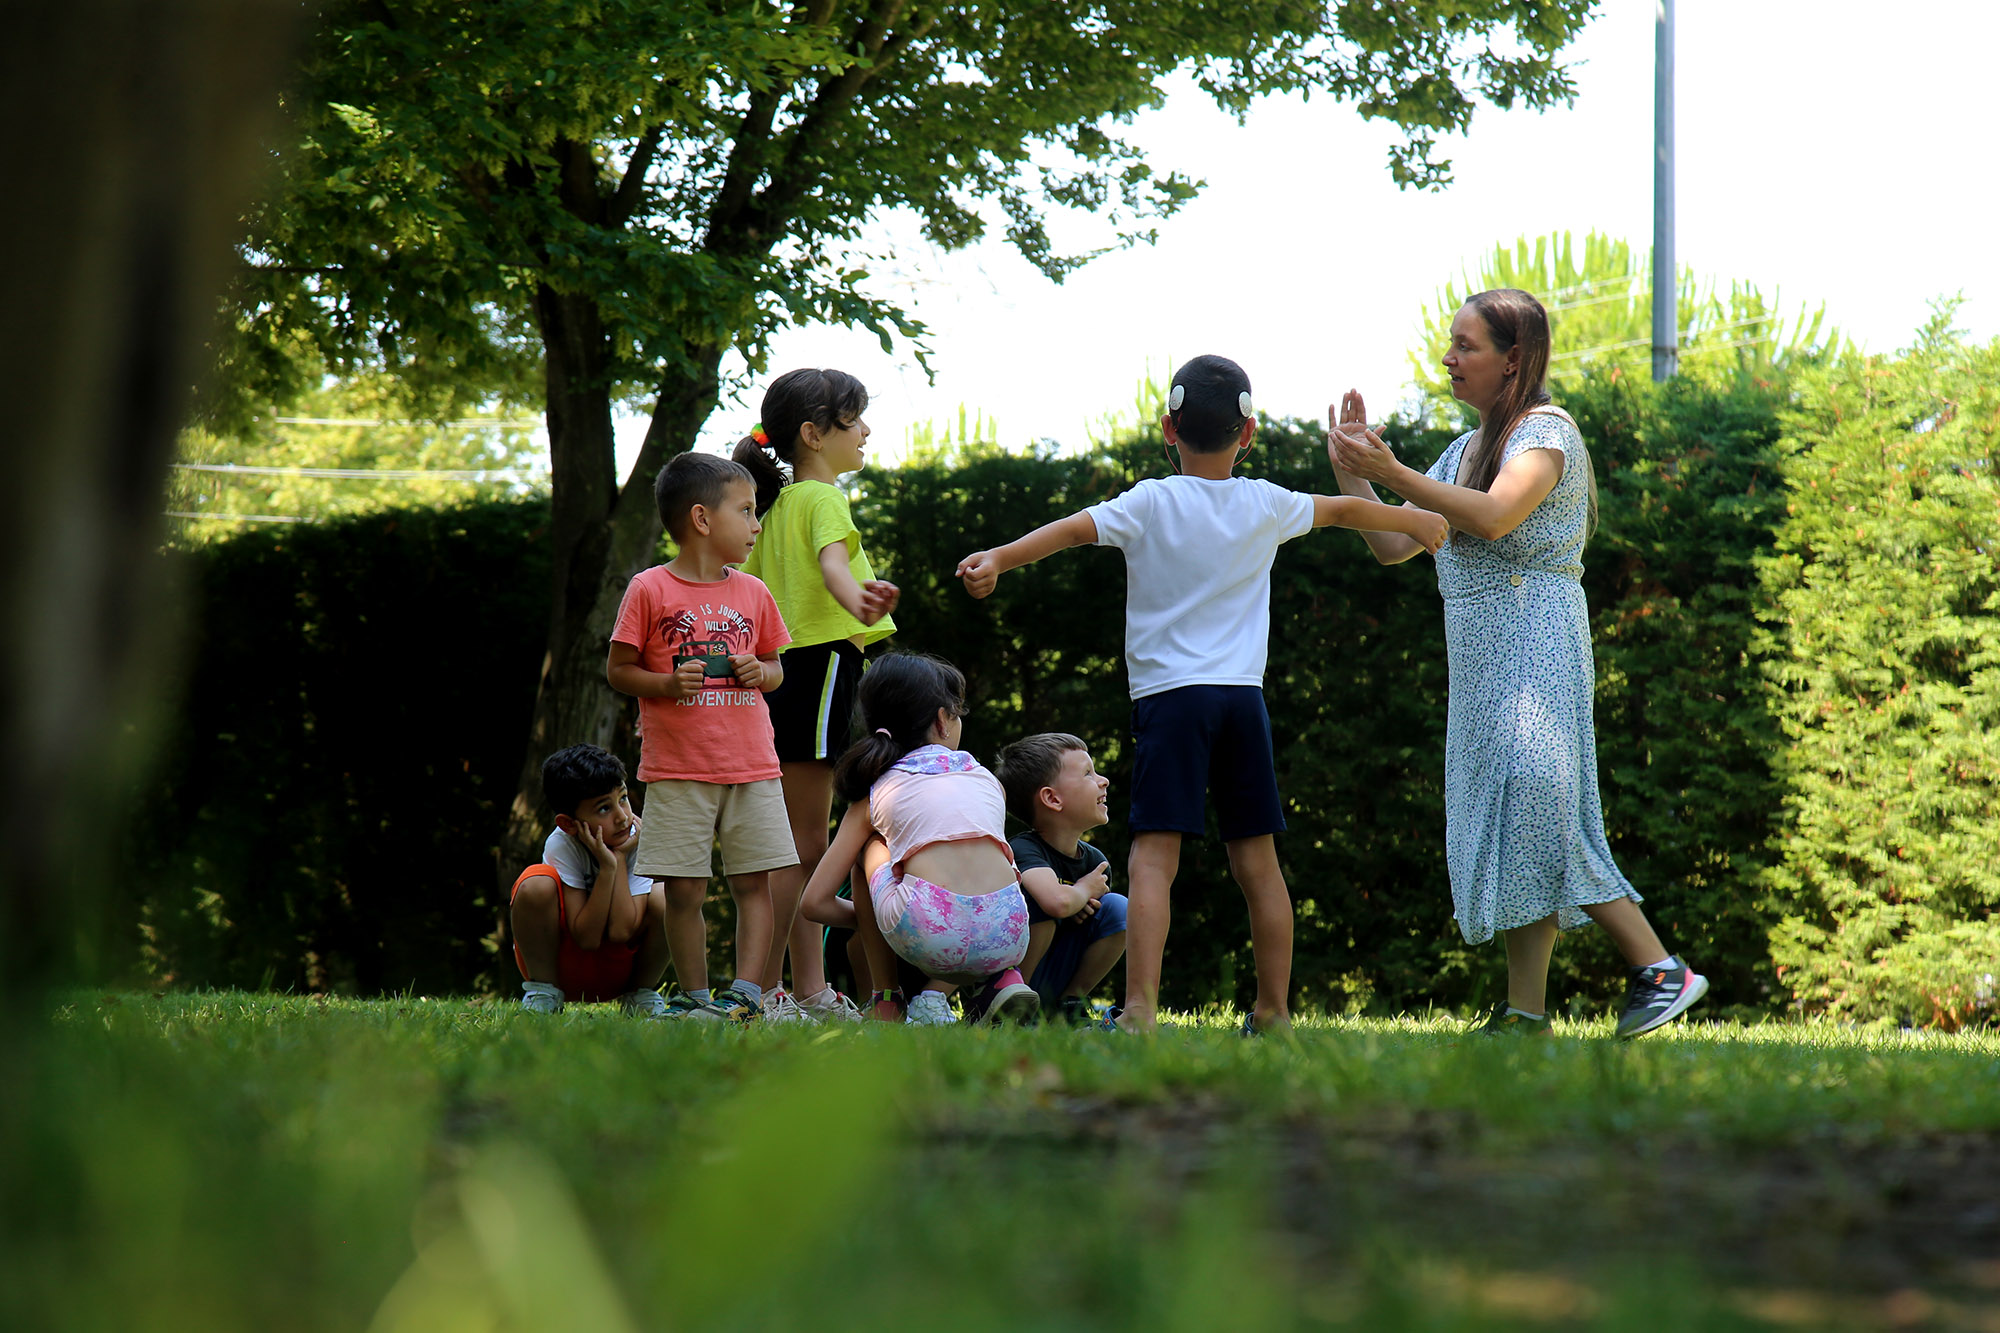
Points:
(1524, 826)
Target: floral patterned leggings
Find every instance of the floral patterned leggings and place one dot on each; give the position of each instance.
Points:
(949, 936)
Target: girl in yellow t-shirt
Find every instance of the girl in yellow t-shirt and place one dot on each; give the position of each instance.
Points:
(809, 554)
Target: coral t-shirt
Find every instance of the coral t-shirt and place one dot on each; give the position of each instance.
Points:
(722, 733)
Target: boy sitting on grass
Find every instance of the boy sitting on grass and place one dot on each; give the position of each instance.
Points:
(570, 940)
(1076, 930)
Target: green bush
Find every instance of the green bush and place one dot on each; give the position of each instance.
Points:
(1690, 496)
(1357, 686)
(335, 784)
(1883, 650)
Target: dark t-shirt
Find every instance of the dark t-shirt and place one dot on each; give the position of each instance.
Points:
(1031, 853)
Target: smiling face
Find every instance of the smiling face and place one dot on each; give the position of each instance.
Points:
(1478, 370)
(1079, 795)
(845, 447)
(609, 813)
(733, 525)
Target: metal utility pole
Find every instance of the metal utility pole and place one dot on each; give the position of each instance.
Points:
(1666, 319)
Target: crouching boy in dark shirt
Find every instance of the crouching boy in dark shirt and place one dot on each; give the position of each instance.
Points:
(1076, 930)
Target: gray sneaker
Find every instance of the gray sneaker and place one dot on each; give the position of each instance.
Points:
(643, 1003)
(929, 1009)
(538, 997)
(1658, 996)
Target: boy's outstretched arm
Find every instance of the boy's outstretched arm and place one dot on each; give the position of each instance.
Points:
(982, 569)
(821, 902)
(1424, 530)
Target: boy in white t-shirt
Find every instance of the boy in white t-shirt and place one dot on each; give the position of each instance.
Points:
(1198, 552)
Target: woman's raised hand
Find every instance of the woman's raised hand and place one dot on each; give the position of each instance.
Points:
(1348, 417)
(1359, 451)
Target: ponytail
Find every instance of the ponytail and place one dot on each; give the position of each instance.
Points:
(760, 460)
(899, 701)
(823, 397)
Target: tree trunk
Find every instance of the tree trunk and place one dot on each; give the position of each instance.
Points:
(139, 132)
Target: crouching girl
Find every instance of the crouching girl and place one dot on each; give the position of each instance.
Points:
(927, 824)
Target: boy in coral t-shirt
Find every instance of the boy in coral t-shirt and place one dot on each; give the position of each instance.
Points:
(697, 644)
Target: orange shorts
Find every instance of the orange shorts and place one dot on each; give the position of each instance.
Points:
(603, 973)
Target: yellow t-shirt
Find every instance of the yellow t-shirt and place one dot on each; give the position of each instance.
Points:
(808, 517)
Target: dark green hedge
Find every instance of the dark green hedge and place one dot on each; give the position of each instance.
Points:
(1357, 684)
(359, 692)
(329, 803)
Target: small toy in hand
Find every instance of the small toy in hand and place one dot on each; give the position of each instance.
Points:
(714, 659)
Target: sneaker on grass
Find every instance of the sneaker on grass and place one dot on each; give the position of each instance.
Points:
(539, 997)
(643, 1003)
(683, 1005)
(1658, 996)
(779, 1007)
(830, 1006)
(733, 1006)
(928, 1008)
(1502, 1023)
(1003, 999)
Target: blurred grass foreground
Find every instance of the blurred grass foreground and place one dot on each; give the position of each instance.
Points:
(225, 1161)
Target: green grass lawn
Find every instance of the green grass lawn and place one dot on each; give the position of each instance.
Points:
(222, 1162)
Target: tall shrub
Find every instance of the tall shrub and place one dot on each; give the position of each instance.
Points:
(329, 810)
(1884, 655)
(1691, 495)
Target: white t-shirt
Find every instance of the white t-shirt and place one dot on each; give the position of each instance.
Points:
(1198, 559)
(578, 867)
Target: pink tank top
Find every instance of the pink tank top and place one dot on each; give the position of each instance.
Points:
(937, 795)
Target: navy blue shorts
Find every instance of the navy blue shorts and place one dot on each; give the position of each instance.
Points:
(1058, 966)
(1199, 741)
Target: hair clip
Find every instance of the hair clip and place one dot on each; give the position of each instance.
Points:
(1176, 398)
(759, 436)
(1243, 404)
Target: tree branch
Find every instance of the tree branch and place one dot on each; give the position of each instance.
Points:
(625, 198)
(746, 160)
(873, 36)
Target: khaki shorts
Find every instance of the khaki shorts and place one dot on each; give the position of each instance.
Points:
(685, 819)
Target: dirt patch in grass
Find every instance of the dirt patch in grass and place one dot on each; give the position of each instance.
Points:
(1829, 1230)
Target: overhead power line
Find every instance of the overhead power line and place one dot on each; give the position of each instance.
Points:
(529, 424)
(364, 473)
(242, 518)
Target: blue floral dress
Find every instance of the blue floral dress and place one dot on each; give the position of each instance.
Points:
(1524, 827)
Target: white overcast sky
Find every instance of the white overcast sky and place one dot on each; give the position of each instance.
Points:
(1829, 151)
